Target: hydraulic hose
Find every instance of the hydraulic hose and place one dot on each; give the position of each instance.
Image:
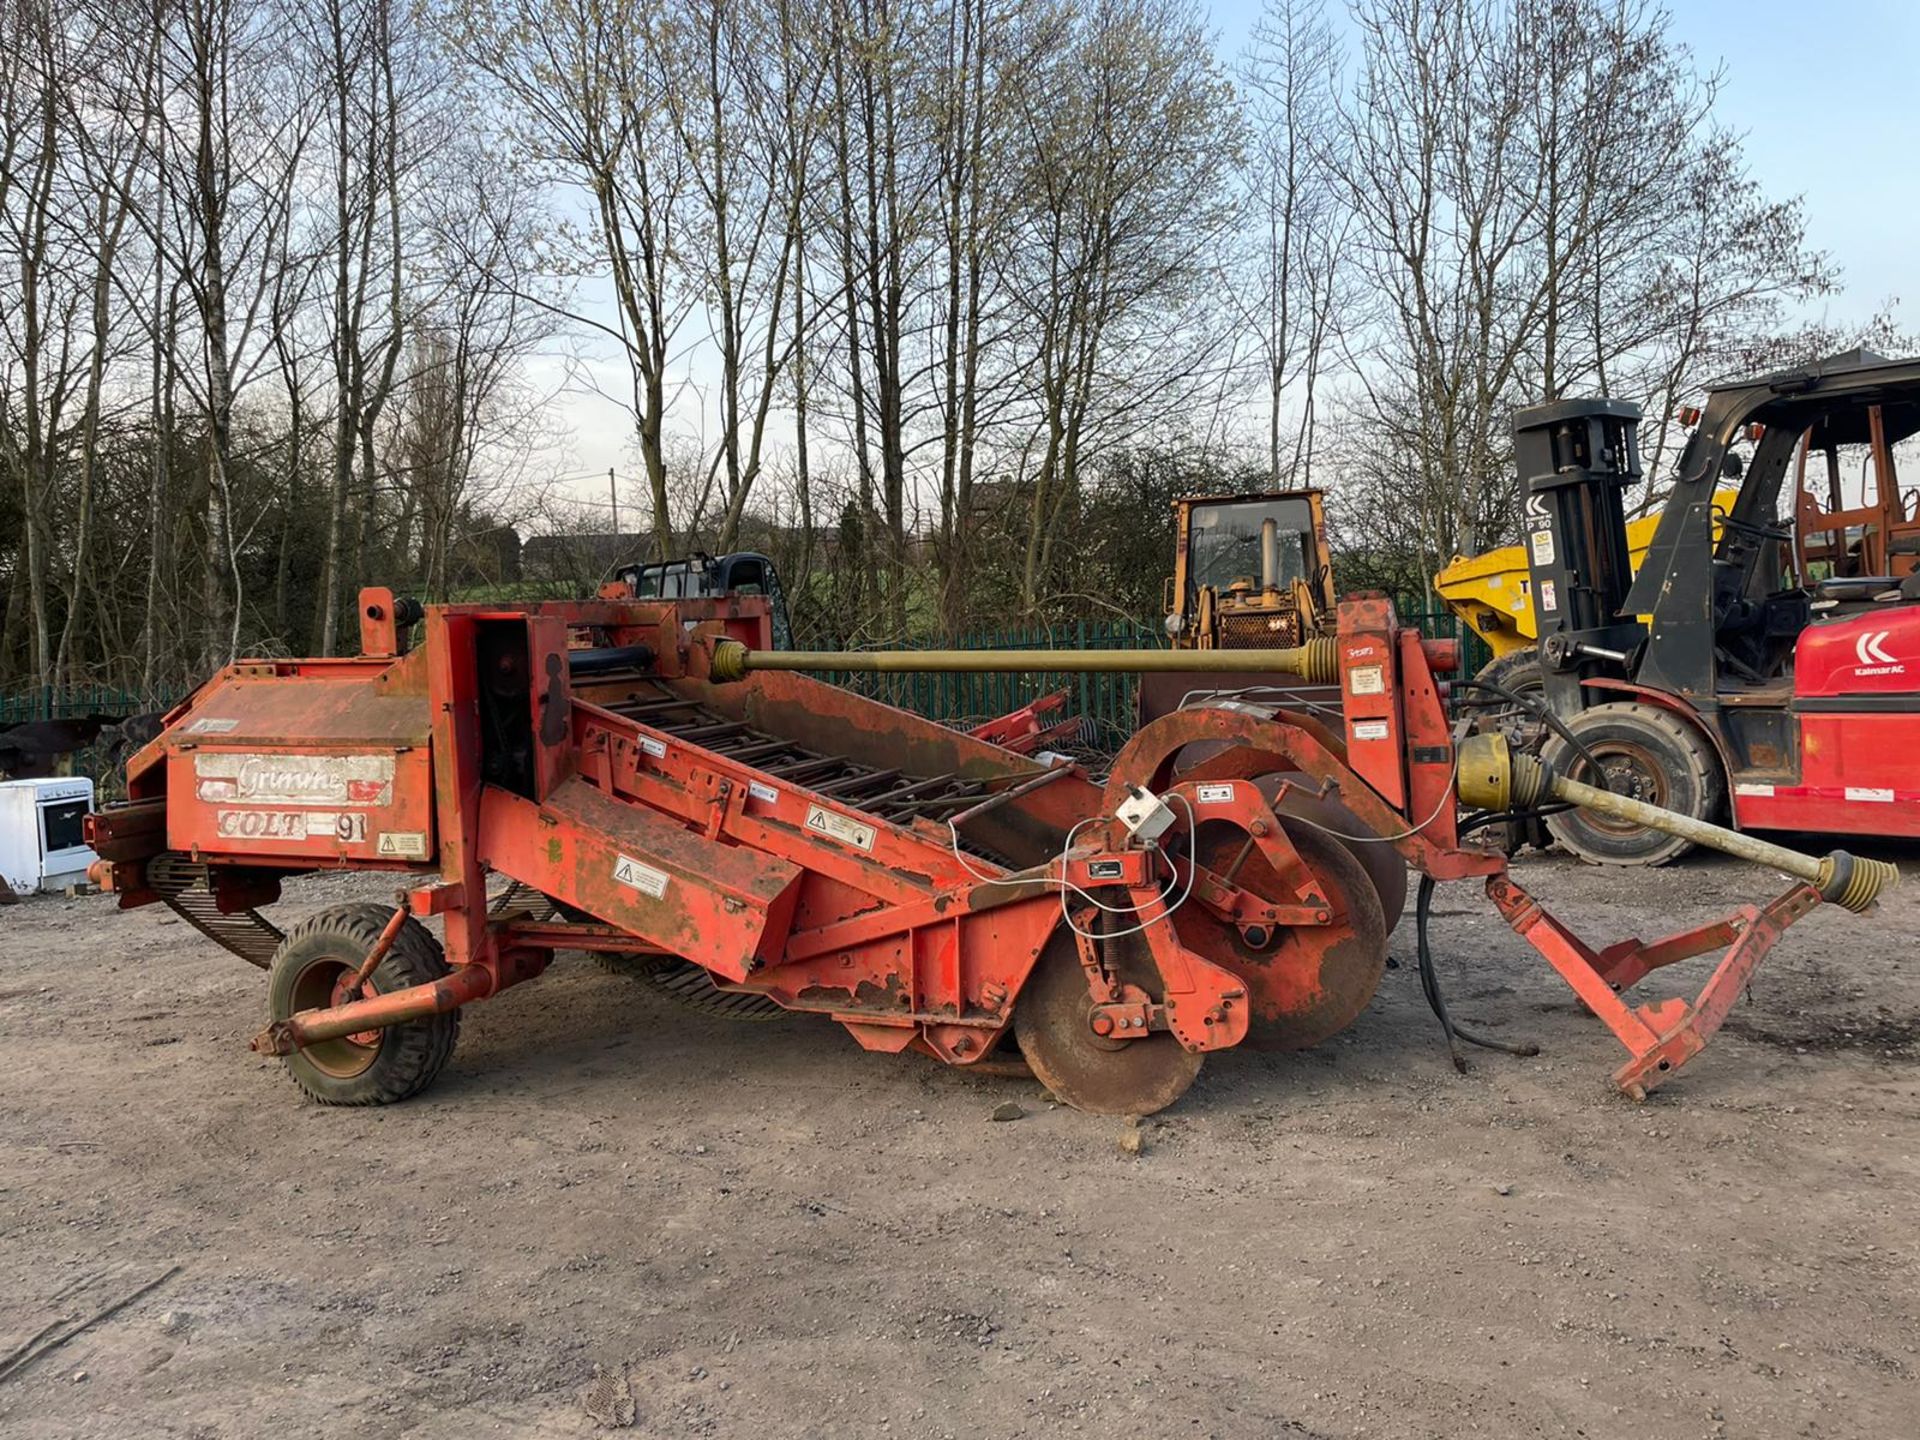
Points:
(1430, 987)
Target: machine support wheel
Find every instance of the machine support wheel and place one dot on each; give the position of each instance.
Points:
(1651, 754)
(1383, 864)
(310, 971)
(1309, 982)
(1052, 1024)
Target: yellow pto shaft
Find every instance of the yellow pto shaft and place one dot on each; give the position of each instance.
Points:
(1317, 662)
(1493, 777)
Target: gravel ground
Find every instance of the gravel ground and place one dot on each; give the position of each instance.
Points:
(611, 1207)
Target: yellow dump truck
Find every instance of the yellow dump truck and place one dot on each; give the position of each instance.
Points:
(1491, 592)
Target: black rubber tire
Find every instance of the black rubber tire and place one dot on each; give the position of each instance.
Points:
(1519, 671)
(408, 1056)
(1650, 753)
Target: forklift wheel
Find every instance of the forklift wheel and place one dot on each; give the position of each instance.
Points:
(310, 971)
(1518, 670)
(1651, 754)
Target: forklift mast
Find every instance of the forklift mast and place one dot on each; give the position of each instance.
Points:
(1576, 460)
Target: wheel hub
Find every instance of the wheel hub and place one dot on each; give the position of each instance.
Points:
(321, 985)
(1056, 1025)
(345, 993)
(1631, 771)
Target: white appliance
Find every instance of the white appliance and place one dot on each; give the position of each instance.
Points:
(40, 841)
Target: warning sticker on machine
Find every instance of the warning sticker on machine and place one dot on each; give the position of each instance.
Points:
(640, 876)
(839, 827)
(1542, 541)
(1549, 599)
(404, 844)
(1214, 794)
(1369, 729)
(294, 779)
(1367, 680)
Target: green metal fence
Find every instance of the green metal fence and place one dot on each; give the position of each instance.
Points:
(100, 760)
(71, 702)
(1443, 624)
(1104, 702)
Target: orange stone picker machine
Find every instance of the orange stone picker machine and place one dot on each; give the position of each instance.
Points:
(661, 788)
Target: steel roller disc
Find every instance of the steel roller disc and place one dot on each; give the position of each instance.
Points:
(1312, 981)
(1382, 862)
(1052, 1025)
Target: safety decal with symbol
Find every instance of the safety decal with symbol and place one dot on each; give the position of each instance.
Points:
(638, 875)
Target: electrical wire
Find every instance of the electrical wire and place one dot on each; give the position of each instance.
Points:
(1067, 887)
(1544, 713)
(1446, 798)
(1298, 697)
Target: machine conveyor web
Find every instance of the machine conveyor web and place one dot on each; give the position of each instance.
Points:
(886, 794)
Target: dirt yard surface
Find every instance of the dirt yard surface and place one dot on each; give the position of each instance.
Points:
(757, 1230)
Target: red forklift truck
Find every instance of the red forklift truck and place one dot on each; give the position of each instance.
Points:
(1738, 679)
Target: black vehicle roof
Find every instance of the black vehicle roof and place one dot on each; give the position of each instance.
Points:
(1831, 397)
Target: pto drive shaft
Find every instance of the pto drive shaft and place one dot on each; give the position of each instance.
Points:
(1493, 777)
(1317, 662)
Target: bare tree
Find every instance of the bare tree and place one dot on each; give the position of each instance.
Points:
(588, 108)
(1294, 217)
(1132, 143)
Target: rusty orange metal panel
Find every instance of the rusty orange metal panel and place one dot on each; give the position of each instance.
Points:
(1371, 699)
(718, 905)
(552, 703)
(312, 804)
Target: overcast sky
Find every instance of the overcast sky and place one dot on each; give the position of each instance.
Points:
(1827, 97)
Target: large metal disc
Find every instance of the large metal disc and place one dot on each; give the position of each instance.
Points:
(1311, 981)
(1052, 1024)
(1383, 864)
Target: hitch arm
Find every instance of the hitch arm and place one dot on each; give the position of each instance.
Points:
(1661, 1035)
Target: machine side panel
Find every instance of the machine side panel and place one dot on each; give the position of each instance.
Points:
(721, 906)
(309, 763)
(1875, 653)
(1860, 775)
(312, 805)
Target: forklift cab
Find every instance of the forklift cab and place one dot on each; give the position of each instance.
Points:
(746, 572)
(1772, 669)
(1250, 571)
(1786, 556)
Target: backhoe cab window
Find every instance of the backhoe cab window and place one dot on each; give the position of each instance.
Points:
(1225, 544)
